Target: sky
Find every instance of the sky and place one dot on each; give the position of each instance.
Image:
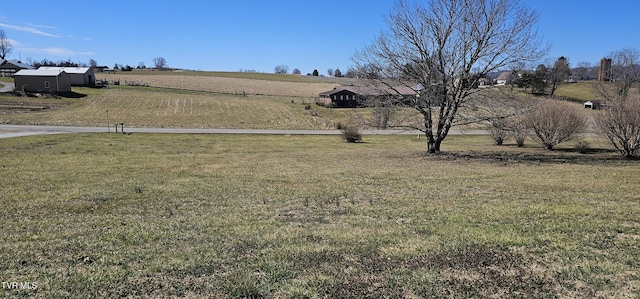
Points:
(223, 35)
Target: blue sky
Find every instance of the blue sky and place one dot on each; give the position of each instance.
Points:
(259, 35)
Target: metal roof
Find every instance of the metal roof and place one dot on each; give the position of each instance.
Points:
(68, 70)
(371, 91)
(15, 63)
(39, 72)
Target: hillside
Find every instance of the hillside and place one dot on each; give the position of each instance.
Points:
(204, 100)
(232, 83)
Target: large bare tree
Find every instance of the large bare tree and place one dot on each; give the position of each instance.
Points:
(444, 47)
(160, 63)
(5, 45)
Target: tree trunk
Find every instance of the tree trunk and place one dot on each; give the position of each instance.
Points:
(433, 143)
(431, 148)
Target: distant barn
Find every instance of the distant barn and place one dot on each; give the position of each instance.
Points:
(42, 81)
(9, 67)
(80, 76)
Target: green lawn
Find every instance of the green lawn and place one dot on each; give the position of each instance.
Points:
(111, 215)
(579, 92)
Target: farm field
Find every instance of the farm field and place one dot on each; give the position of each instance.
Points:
(112, 215)
(187, 100)
(206, 100)
(272, 86)
(243, 75)
(165, 108)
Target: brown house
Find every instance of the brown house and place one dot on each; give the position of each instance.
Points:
(356, 96)
(49, 81)
(505, 78)
(342, 97)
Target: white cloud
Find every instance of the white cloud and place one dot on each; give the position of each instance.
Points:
(28, 29)
(41, 26)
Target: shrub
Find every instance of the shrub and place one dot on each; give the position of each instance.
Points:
(620, 123)
(351, 133)
(553, 122)
(519, 132)
(382, 114)
(499, 130)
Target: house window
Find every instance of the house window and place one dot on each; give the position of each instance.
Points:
(47, 84)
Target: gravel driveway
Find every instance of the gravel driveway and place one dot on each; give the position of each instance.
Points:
(7, 87)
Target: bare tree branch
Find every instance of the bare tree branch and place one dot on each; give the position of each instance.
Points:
(442, 49)
(5, 45)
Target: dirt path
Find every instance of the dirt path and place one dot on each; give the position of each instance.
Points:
(7, 87)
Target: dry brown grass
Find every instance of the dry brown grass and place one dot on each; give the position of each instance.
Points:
(242, 216)
(224, 84)
(151, 107)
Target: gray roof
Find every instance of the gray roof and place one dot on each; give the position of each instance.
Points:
(15, 63)
(39, 73)
(370, 91)
(68, 70)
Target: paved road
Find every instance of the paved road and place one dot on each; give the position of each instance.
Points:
(6, 87)
(22, 130)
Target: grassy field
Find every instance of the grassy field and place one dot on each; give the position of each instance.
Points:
(579, 92)
(186, 99)
(172, 107)
(144, 215)
(226, 216)
(202, 100)
(161, 107)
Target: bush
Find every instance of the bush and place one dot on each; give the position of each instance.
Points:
(553, 122)
(620, 123)
(499, 130)
(351, 133)
(519, 132)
